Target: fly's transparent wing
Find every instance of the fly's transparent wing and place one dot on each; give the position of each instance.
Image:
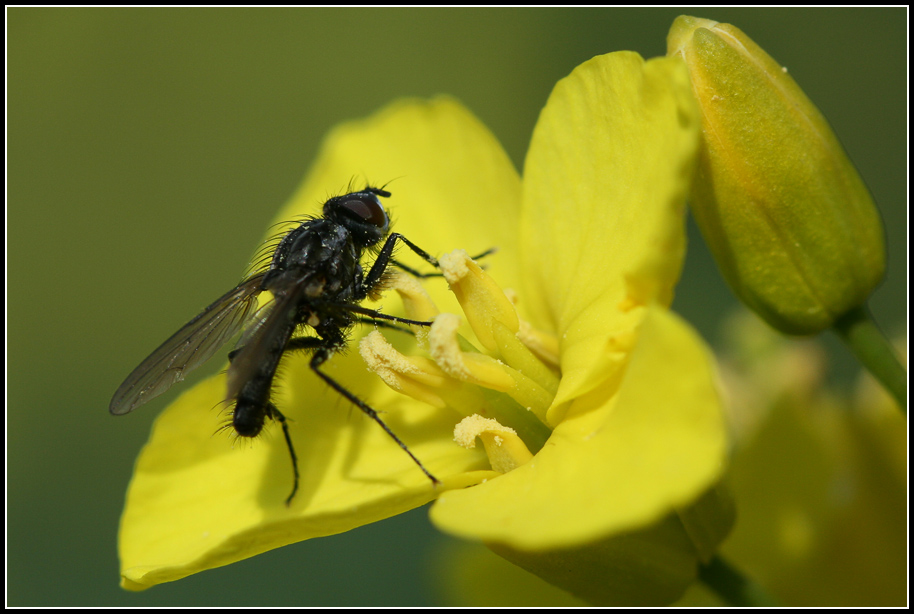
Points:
(264, 342)
(258, 319)
(190, 347)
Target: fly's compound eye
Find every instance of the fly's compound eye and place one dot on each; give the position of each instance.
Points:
(362, 214)
(368, 209)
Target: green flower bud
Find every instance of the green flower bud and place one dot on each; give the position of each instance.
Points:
(788, 218)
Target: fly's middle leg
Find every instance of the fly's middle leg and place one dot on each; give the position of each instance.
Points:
(277, 415)
(320, 357)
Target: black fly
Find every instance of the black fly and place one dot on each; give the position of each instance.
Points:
(317, 281)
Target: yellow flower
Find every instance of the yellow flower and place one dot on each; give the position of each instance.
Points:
(615, 501)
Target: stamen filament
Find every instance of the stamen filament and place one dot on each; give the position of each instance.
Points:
(519, 356)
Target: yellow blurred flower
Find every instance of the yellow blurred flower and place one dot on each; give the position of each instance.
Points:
(821, 481)
(606, 487)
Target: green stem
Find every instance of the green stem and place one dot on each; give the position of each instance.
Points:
(857, 329)
(732, 586)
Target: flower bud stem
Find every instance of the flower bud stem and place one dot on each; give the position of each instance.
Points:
(858, 330)
(732, 586)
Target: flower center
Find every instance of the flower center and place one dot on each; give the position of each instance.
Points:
(502, 390)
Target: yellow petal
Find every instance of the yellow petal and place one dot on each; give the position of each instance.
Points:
(197, 501)
(614, 464)
(604, 194)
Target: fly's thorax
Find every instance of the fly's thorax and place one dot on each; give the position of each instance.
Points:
(320, 264)
(294, 242)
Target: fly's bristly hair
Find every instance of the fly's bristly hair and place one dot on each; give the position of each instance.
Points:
(264, 254)
(226, 423)
(262, 258)
(318, 271)
(382, 286)
(260, 262)
(234, 438)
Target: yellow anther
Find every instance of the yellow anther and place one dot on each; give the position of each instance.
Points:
(414, 376)
(465, 366)
(460, 377)
(416, 301)
(482, 300)
(418, 377)
(504, 448)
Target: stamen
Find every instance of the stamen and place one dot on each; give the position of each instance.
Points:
(465, 366)
(482, 300)
(543, 345)
(516, 385)
(484, 370)
(418, 377)
(416, 301)
(520, 357)
(504, 448)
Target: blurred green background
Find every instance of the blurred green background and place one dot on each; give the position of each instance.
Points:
(149, 149)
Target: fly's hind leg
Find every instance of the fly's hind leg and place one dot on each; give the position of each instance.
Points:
(277, 415)
(273, 412)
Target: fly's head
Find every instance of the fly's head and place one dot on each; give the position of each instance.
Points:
(362, 214)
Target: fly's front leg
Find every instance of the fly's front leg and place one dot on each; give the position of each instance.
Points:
(374, 315)
(421, 275)
(320, 357)
(384, 259)
(414, 272)
(383, 324)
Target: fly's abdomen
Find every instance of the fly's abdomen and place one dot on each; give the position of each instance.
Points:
(252, 406)
(248, 417)
(253, 367)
